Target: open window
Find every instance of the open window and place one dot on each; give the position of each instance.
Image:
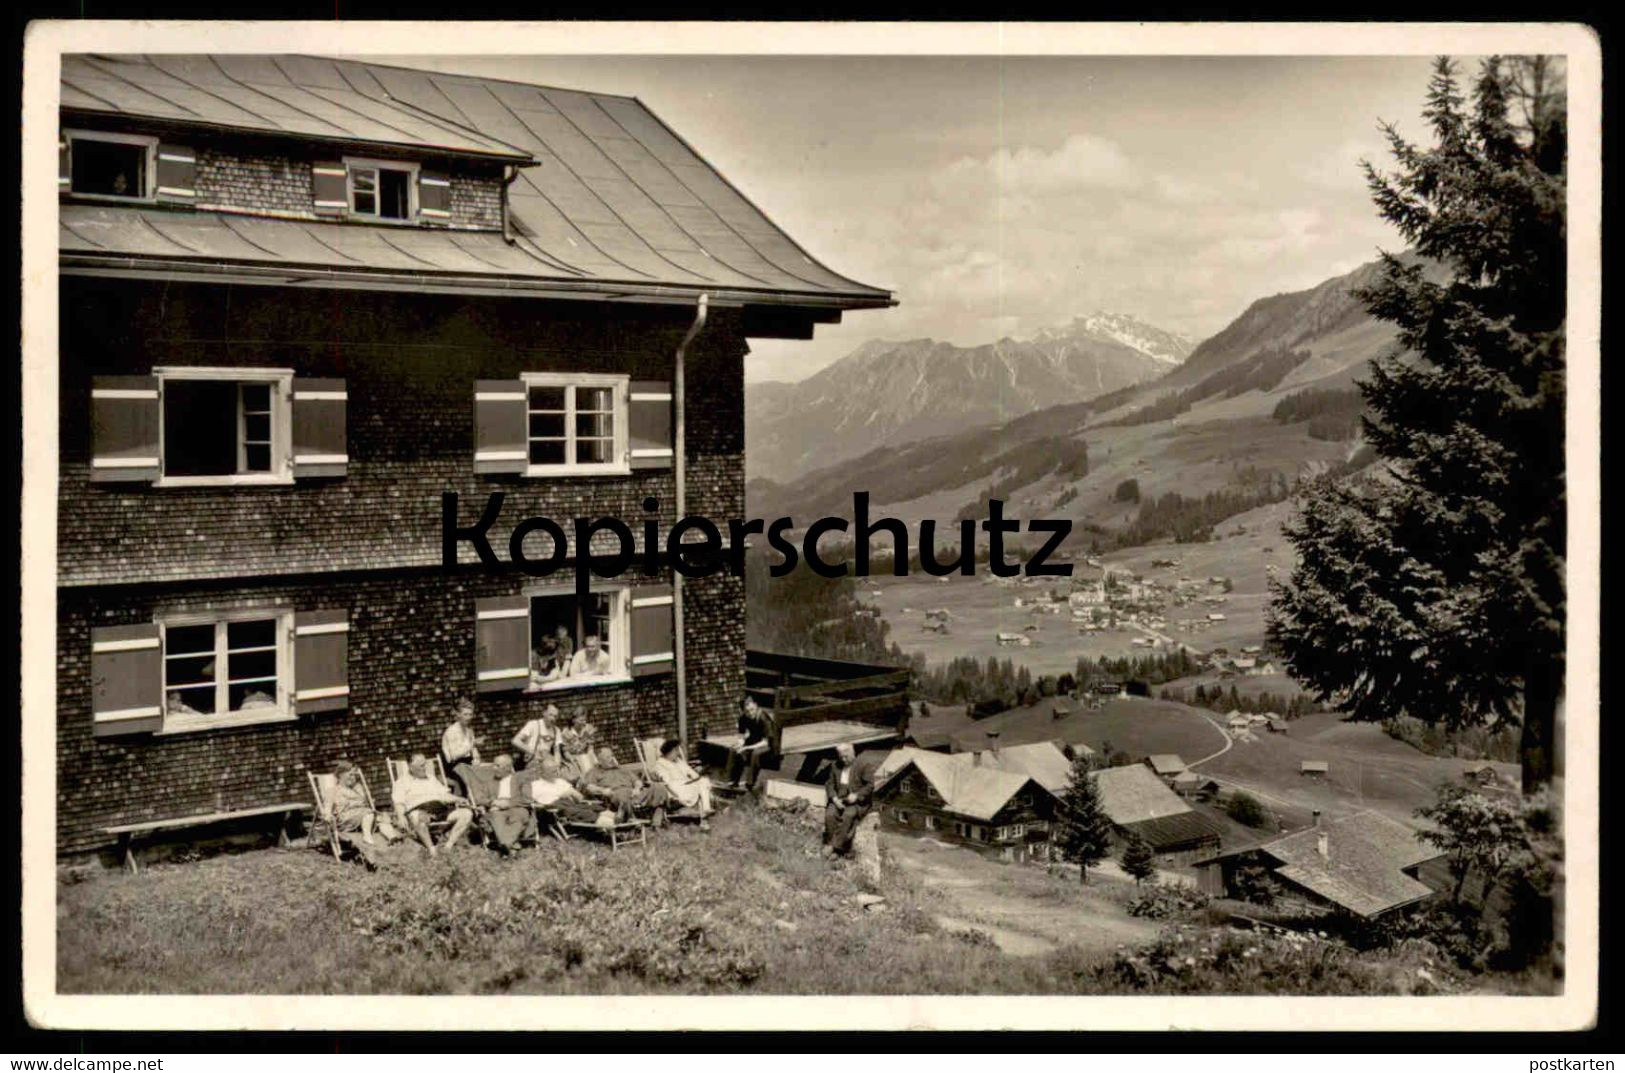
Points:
(382, 190)
(220, 669)
(548, 638)
(106, 164)
(225, 426)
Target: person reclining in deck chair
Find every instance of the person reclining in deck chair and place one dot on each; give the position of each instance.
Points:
(688, 788)
(552, 791)
(352, 809)
(848, 793)
(627, 790)
(419, 797)
(508, 816)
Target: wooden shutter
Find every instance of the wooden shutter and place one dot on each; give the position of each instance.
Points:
(650, 424)
(124, 428)
(320, 445)
(64, 164)
(127, 683)
(177, 174)
(434, 195)
(501, 643)
(330, 188)
(501, 426)
(653, 650)
(321, 660)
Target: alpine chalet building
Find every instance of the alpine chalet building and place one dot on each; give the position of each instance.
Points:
(303, 298)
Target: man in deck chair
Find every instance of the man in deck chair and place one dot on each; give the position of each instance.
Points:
(552, 791)
(688, 788)
(508, 816)
(630, 793)
(419, 797)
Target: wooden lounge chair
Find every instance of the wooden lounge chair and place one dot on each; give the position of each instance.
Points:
(648, 751)
(397, 771)
(322, 788)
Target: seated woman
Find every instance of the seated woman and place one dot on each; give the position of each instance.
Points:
(688, 788)
(352, 811)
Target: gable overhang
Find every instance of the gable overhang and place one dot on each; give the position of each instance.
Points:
(766, 314)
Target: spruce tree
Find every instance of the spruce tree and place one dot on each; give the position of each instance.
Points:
(1139, 860)
(1083, 831)
(1433, 585)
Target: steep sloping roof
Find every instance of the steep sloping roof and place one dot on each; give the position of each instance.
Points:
(280, 95)
(618, 205)
(966, 789)
(1169, 832)
(1043, 762)
(1133, 793)
(1362, 870)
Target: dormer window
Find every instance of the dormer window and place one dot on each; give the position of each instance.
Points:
(382, 191)
(101, 164)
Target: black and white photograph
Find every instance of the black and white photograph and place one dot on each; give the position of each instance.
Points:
(909, 512)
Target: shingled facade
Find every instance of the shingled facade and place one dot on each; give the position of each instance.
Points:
(302, 300)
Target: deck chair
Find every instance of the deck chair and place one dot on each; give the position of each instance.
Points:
(648, 751)
(322, 789)
(482, 822)
(632, 832)
(397, 771)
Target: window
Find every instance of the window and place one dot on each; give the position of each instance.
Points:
(110, 165)
(224, 425)
(900, 815)
(574, 642)
(575, 424)
(382, 191)
(224, 668)
(930, 823)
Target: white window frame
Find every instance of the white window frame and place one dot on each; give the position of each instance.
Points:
(281, 381)
(620, 633)
(930, 822)
(283, 711)
(354, 164)
(149, 181)
(620, 463)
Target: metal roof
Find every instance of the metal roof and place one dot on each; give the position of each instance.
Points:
(618, 201)
(1167, 833)
(280, 95)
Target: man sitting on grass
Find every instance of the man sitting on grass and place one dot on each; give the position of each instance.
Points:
(421, 798)
(688, 788)
(552, 791)
(626, 789)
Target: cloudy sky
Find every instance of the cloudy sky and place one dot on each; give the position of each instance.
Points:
(997, 196)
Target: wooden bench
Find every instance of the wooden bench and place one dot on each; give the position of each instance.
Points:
(127, 832)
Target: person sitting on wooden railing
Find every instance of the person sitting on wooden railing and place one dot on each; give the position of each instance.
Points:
(761, 733)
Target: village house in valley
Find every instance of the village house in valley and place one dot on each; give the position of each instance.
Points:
(303, 298)
(1364, 864)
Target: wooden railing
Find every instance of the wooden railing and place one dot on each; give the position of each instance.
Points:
(805, 689)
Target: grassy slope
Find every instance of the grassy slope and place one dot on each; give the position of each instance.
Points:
(749, 907)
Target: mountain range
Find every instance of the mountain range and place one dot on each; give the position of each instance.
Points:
(888, 393)
(1196, 427)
